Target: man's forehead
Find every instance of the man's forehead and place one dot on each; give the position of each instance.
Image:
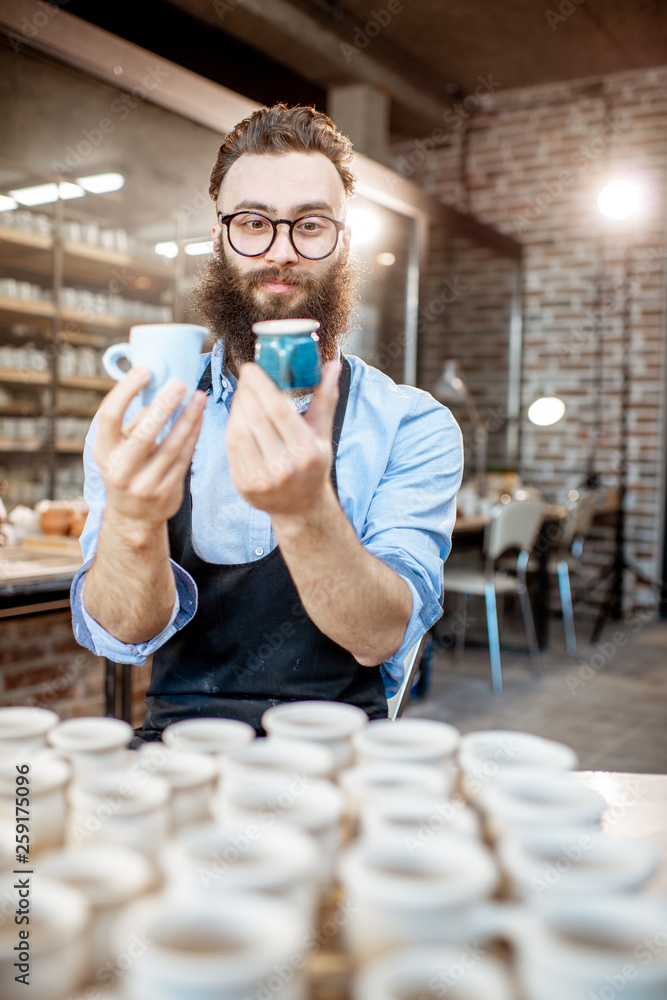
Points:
(281, 182)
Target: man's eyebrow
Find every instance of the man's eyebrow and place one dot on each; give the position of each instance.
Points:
(294, 212)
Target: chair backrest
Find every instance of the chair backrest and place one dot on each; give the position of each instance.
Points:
(513, 525)
(579, 517)
(397, 703)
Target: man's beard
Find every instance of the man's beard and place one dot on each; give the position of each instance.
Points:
(227, 303)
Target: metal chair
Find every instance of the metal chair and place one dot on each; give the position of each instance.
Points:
(568, 558)
(396, 704)
(513, 525)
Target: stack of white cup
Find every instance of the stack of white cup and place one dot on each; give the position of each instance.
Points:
(335, 856)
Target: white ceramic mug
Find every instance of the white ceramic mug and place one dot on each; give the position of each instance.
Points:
(91, 743)
(57, 938)
(192, 778)
(227, 948)
(314, 805)
(483, 755)
(274, 754)
(212, 736)
(427, 973)
(593, 949)
(417, 817)
(409, 741)
(24, 728)
(529, 798)
(109, 877)
(433, 895)
(368, 784)
(170, 350)
(332, 723)
(541, 863)
(211, 861)
(44, 808)
(118, 808)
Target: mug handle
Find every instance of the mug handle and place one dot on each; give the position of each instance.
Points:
(113, 355)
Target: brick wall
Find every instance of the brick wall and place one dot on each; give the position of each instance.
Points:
(536, 159)
(42, 664)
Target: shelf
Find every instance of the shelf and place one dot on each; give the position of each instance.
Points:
(95, 265)
(84, 262)
(22, 309)
(34, 445)
(98, 383)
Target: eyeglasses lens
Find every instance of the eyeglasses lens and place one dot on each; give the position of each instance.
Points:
(313, 237)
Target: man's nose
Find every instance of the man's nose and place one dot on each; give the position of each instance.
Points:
(281, 250)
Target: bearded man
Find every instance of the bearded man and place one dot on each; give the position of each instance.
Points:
(270, 547)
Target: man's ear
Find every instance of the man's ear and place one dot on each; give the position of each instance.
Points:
(346, 237)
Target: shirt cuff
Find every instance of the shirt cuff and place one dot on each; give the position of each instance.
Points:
(90, 634)
(424, 615)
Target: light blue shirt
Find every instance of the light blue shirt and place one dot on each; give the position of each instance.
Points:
(398, 470)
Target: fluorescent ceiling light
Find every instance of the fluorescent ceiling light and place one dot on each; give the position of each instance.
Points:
(7, 204)
(168, 249)
(45, 194)
(196, 249)
(101, 183)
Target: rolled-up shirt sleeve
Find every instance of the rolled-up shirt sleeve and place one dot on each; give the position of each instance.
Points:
(87, 631)
(411, 515)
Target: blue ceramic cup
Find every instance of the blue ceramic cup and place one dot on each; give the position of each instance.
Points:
(170, 350)
(287, 351)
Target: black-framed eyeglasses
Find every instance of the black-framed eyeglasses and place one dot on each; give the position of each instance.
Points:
(251, 234)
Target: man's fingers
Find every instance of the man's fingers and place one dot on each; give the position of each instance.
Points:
(321, 412)
(175, 452)
(114, 405)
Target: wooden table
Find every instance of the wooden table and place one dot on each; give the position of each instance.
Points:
(637, 810)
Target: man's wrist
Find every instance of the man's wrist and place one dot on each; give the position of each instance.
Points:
(137, 533)
(317, 518)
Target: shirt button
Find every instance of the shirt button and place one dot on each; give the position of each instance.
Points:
(259, 551)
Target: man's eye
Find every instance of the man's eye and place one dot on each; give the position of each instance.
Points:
(256, 225)
(311, 227)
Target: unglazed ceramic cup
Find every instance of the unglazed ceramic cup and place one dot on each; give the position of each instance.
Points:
(212, 736)
(109, 877)
(46, 805)
(224, 948)
(92, 744)
(24, 728)
(433, 895)
(209, 860)
(58, 939)
(331, 723)
(427, 973)
(116, 808)
(192, 778)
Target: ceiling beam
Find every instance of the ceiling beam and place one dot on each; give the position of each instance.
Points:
(293, 37)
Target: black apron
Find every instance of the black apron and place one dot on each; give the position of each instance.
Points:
(250, 644)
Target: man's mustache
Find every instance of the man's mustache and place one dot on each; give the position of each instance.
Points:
(276, 274)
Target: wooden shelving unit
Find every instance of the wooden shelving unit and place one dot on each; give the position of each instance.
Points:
(54, 264)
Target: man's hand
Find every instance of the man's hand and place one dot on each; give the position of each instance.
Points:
(280, 461)
(144, 478)
(130, 588)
